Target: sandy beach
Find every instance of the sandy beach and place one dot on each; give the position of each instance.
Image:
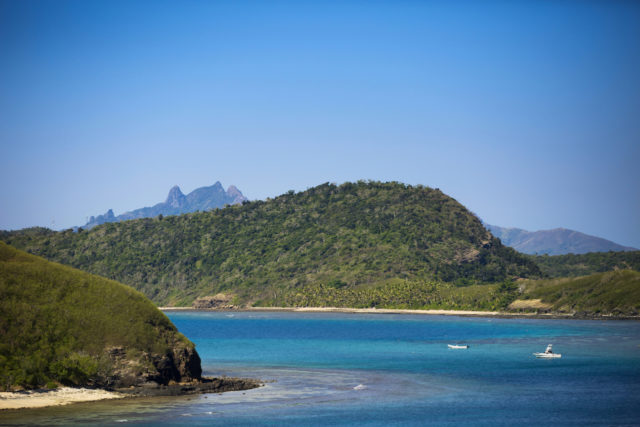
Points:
(434, 312)
(379, 310)
(60, 396)
(368, 311)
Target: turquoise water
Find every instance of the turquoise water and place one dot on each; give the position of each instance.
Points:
(345, 369)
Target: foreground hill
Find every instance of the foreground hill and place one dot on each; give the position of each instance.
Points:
(558, 241)
(63, 326)
(354, 235)
(610, 293)
(200, 199)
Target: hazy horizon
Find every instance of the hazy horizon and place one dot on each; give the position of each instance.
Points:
(525, 112)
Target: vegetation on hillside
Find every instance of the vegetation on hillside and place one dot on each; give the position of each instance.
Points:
(361, 234)
(613, 292)
(399, 294)
(572, 265)
(57, 323)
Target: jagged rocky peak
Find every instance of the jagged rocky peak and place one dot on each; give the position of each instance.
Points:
(235, 194)
(200, 199)
(109, 216)
(175, 198)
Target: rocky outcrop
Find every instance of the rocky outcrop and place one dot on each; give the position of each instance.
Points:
(235, 194)
(205, 385)
(175, 199)
(177, 372)
(187, 364)
(180, 364)
(101, 219)
(218, 301)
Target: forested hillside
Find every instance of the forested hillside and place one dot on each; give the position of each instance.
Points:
(356, 234)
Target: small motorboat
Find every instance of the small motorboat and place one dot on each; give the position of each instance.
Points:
(548, 354)
(457, 346)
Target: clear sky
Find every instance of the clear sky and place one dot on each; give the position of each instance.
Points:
(527, 112)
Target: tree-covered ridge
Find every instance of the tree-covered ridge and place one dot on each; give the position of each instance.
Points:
(58, 326)
(361, 234)
(572, 265)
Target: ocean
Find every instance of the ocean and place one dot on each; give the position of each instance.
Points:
(384, 369)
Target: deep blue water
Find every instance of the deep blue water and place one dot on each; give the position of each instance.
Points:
(345, 369)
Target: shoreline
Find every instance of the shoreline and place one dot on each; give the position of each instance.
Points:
(41, 398)
(429, 312)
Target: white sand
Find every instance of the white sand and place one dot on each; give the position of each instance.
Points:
(378, 310)
(352, 310)
(476, 313)
(60, 396)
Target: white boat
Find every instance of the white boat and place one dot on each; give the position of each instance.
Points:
(456, 346)
(548, 354)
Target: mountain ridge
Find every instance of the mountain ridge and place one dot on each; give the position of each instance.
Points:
(557, 241)
(176, 203)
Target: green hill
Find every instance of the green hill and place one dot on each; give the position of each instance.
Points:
(59, 325)
(610, 293)
(356, 235)
(572, 265)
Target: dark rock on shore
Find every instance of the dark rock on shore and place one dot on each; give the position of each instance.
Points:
(203, 385)
(179, 364)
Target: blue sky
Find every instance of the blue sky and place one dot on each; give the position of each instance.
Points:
(527, 112)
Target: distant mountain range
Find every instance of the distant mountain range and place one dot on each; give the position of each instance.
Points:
(558, 241)
(200, 199)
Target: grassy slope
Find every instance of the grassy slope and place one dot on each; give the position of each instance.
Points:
(572, 265)
(361, 234)
(56, 322)
(613, 292)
